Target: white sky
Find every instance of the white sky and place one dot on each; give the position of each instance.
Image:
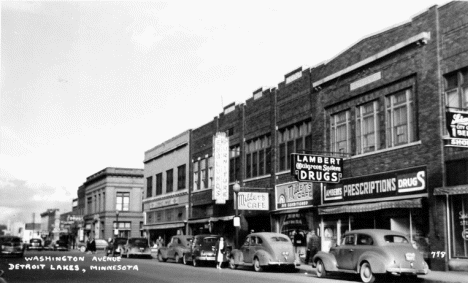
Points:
(89, 85)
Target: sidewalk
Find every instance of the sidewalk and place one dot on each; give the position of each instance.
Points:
(433, 276)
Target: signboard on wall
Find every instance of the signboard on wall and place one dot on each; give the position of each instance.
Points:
(253, 201)
(457, 124)
(221, 168)
(395, 183)
(316, 168)
(293, 195)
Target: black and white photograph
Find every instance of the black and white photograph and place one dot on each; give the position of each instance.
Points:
(234, 141)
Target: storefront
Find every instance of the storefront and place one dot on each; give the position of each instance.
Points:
(394, 200)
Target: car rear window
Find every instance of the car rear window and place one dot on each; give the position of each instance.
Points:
(279, 239)
(396, 239)
(209, 240)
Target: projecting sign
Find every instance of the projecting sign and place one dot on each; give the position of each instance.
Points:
(457, 124)
(221, 168)
(293, 195)
(316, 168)
(253, 201)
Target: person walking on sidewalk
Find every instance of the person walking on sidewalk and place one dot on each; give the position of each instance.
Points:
(313, 245)
(219, 252)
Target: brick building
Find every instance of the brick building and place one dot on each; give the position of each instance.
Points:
(111, 201)
(166, 197)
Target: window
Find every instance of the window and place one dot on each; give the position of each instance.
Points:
(159, 184)
(196, 182)
(123, 201)
(340, 132)
(181, 177)
(292, 139)
(457, 89)
(90, 205)
(210, 172)
(234, 163)
(204, 183)
(348, 240)
(256, 162)
(169, 180)
(400, 118)
(149, 187)
(367, 127)
(364, 240)
(124, 228)
(459, 225)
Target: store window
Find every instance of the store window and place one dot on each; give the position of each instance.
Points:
(123, 201)
(457, 89)
(340, 132)
(400, 118)
(367, 127)
(459, 223)
(124, 228)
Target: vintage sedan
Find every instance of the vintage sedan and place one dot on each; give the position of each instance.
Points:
(11, 245)
(61, 245)
(176, 249)
(116, 246)
(202, 250)
(137, 247)
(371, 253)
(265, 249)
(35, 244)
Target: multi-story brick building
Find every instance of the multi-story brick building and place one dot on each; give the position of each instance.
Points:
(382, 106)
(112, 200)
(166, 198)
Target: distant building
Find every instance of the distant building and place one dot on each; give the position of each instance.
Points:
(48, 222)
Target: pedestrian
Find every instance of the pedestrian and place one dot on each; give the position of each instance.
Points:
(160, 242)
(313, 245)
(92, 246)
(219, 252)
(88, 245)
(298, 241)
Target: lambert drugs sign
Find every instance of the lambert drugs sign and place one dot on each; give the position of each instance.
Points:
(396, 183)
(315, 168)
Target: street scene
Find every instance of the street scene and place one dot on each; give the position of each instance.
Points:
(133, 148)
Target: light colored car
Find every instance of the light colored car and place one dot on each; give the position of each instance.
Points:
(370, 253)
(265, 249)
(176, 249)
(11, 245)
(202, 250)
(137, 247)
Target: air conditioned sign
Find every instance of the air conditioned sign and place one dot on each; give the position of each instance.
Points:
(293, 195)
(396, 183)
(316, 168)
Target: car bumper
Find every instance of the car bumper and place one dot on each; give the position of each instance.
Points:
(11, 252)
(407, 271)
(35, 248)
(206, 257)
(282, 263)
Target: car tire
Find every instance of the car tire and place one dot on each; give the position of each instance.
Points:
(257, 266)
(184, 259)
(195, 262)
(160, 258)
(128, 254)
(232, 263)
(366, 273)
(177, 258)
(320, 270)
(82, 249)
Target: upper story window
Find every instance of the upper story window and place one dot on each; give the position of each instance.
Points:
(234, 163)
(203, 174)
(122, 201)
(169, 180)
(340, 132)
(258, 157)
(293, 139)
(90, 205)
(196, 182)
(400, 118)
(456, 89)
(367, 127)
(210, 172)
(149, 187)
(159, 184)
(181, 179)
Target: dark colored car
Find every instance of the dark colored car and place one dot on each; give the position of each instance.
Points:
(370, 253)
(203, 250)
(101, 244)
(137, 247)
(35, 244)
(61, 245)
(116, 246)
(176, 249)
(11, 245)
(265, 249)
(48, 245)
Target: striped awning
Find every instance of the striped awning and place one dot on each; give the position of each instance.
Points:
(353, 208)
(452, 190)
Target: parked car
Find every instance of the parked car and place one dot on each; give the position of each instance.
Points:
(11, 245)
(202, 250)
(101, 244)
(116, 246)
(61, 245)
(372, 252)
(137, 247)
(48, 245)
(35, 244)
(176, 248)
(265, 249)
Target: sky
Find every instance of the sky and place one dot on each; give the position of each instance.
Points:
(89, 85)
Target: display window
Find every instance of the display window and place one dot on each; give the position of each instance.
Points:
(459, 211)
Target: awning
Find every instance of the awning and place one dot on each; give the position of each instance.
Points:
(201, 220)
(407, 203)
(452, 190)
(221, 218)
(285, 211)
(165, 226)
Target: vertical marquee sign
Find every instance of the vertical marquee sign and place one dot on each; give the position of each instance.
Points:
(457, 126)
(221, 168)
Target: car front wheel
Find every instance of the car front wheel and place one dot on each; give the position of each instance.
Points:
(195, 262)
(366, 273)
(321, 271)
(257, 266)
(232, 263)
(185, 260)
(160, 258)
(177, 258)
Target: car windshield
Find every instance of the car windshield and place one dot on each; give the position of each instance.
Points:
(397, 239)
(139, 242)
(279, 239)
